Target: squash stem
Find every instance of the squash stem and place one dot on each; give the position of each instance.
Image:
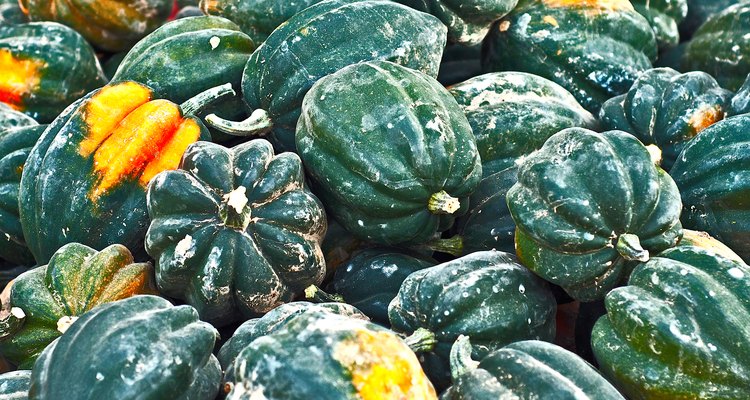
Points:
(258, 124)
(629, 247)
(443, 203)
(421, 341)
(317, 295)
(453, 245)
(193, 105)
(460, 358)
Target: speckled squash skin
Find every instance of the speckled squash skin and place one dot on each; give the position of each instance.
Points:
(663, 16)
(468, 21)
(371, 279)
(590, 206)
(486, 295)
(513, 113)
(15, 385)
(531, 369)
(667, 109)
(679, 330)
(235, 232)
(713, 174)
(741, 101)
(82, 184)
(45, 66)
(10, 118)
(595, 49)
(110, 26)
(77, 279)
(141, 348)
(318, 41)
(721, 47)
(351, 358)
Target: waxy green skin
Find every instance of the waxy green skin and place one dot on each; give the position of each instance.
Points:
(15, 385)
(594, 54)
(532, 369)
(77, 279)
(468, 21)
(721, 47)
(741, 101)
(663, 16)
(375, 189)
(11, 13)
(667, 109)
(513, 113)
(486, 295)
(10, 118)
(575, 200)
(680, 329)
(326, 37)
(371, 279)
(699, 11)
(71, 68)
(713, 174)
(188, 56)
(141, 347)
(226, 263)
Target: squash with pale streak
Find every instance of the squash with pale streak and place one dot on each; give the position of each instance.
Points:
(50, 297)
(40, 76)
(109, 25)
(663, 16)
(667, 109)
(588, 207)
(235, 232)
(741, 100)
(15, 385)
(85, 179)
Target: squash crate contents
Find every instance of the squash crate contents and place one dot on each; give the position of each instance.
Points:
(374, 199)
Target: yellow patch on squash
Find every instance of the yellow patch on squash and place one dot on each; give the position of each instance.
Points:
(18, 78)
(705, 117)
(551, 20)
(383, 367)
(591, 6)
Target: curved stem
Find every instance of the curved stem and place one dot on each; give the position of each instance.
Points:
(193, 105)
(258, 124)
(453, 245)
(317, 295)
(460, 357)
(443, 203)
(421, 341)
(629, 247)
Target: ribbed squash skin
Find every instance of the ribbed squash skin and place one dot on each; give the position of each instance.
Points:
(45, 66)
(188, 56)
(77, 279)
(578, 200)
(468, 21)
(667, 109)
(326, 37)
(680, 329)
(741, 101)
(513, 113)
(663, 16)
(141, 348)
(15, 385)
(109, 25)
(341, 357)
(235, 232)
(486, 295)
(713, 174)
(81, 184)
(594, 49)
(378, 191)
(532, 369)
(721, 47)
(372, 278)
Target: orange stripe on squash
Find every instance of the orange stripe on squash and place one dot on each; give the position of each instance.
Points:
(18, 78)
(593, 6)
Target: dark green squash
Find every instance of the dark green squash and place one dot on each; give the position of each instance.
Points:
(590, 206)
(595, 49)
(486, 295)
(140, 348)
(85, 179)
(713, 174)
(319, 41)
(10, 118)
(15, 385)
(11, 13)
(334, 356)
(721, 47)
(513, 113)
(699, 11)
(460, 63)
(680, 329)
(109, 25)
(528, 369)
(663, 16)
(51, 297)
(741, 100)
(667, 109)
(378, 191)
(235, 232)
(189, 11)
(468, 21)
(40, 76)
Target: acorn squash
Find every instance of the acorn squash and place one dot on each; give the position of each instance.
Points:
(741, 100)
(11, 13)
(15, 385)
(663, 16)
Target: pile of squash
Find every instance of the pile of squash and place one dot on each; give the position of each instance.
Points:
(374, 199)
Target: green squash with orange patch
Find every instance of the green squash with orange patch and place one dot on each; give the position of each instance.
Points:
(39, 305)
(85, 179)
(45, 66)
